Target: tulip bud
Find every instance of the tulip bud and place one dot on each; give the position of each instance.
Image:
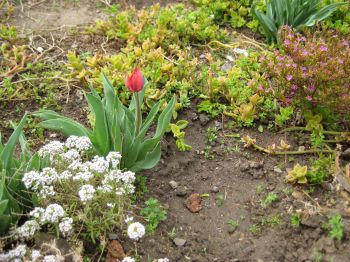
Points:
(135, 82)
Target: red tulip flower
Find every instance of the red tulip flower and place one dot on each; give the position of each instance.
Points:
(135, 82)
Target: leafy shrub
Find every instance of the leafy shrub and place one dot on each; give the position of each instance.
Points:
(339, 20)
(320, 169)
(311, 70)
(116, 127)
(237, 13)
(335, 226)
(77, 188)
(163, 26)
(14, 199)
(296, 13)
(153, 213)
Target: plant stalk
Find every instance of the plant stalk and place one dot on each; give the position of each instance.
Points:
(138, 114)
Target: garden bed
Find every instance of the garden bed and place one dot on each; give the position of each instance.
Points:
(225, 199)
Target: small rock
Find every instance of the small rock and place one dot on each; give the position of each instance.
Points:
(179, 242)
(194, 116)
(226, 67)
(173, 184)
(313, 221)
(193, 203)
(112, 236)
(245, 167)
(346, 154)
(231, 230)
(256, 165)
(181, 191)
(277, 170)
(214, 189)
(298, 195)
(301, 148)
(203, 119)
(115, 250)
(204, 176)
(346, 227)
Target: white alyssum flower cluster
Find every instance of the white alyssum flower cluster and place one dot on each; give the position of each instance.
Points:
(66, 226)
(80, 143)
(136, 231)
(128, 259)
(86, 193)
(52, 214)
(15, 254)
(22, 253)
(27, 230)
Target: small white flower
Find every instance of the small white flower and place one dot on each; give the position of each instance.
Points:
(18, 252)
(80, 143)
(53, 214)
(40, 49)
(114, 158)
(110, 205)
(105, 188)
(128, 259)
(128, 219)
(86, 193)
(136, 231)
(37, 212)
(65, 175)
(241, 51)
(71, 156)
(163, 260)
(35, 255)
(66, 226)
(47, 191)
(84, 176)
(27, 230)
(31, 179)
(48, 175)
(119, 191)
(50, 258)
(98, 165)
(52, 149)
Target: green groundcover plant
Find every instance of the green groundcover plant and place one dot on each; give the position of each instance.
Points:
(117, 127)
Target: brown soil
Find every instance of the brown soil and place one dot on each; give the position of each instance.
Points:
(243, 179)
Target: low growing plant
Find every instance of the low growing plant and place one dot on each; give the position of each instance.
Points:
(269, 199)
(311, 70)
(116, 127)
(335, 227)
(153, 213)
(77, 193)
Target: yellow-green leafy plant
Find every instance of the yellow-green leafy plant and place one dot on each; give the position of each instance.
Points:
(179, 135)
(297, 174)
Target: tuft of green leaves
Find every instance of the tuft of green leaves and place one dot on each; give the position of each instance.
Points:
(154, 214)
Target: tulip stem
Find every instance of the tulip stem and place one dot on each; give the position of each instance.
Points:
(138, 114)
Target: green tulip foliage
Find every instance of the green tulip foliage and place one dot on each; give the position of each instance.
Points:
(117, 127)
(296, 13)
(13, 196)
